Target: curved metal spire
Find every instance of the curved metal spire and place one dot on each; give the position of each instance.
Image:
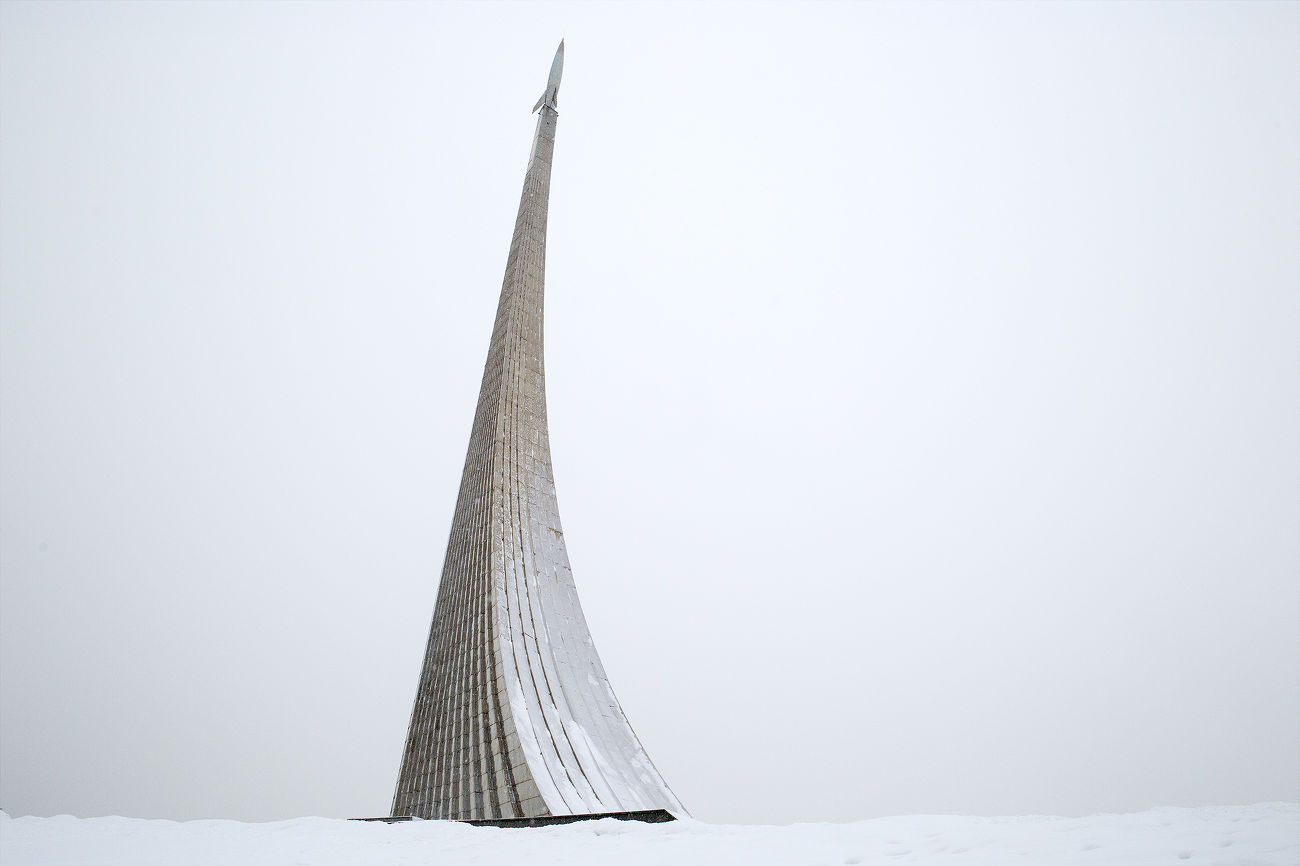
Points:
(514, 715)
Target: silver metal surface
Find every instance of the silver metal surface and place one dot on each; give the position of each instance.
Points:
(514, 716)
(552, 92)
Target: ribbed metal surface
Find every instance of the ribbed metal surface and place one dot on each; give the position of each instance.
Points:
(514, 716)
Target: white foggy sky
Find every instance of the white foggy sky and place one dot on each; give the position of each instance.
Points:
(922, 382)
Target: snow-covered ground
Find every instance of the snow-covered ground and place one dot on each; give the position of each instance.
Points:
(1267, 834)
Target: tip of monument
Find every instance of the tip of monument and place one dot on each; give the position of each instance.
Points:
(552, 92)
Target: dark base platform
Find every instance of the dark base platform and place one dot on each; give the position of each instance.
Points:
(648, 816)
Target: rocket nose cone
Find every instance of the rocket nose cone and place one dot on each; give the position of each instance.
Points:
(557, 65)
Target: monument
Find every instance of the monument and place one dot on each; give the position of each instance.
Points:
(514, 717)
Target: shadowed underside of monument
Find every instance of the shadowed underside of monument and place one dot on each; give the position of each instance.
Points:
(514, 716)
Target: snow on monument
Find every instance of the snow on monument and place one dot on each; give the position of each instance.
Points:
(514, 716)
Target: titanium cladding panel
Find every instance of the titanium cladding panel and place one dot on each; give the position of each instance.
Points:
(514, 716)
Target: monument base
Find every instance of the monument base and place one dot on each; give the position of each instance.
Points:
(647, 816)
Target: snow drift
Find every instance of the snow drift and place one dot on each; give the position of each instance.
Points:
(1262, 835)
